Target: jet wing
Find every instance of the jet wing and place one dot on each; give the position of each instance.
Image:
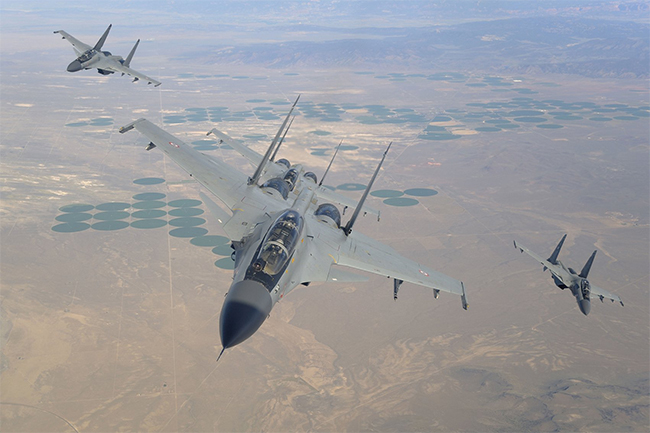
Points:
(597, 291)
(555, 269)
(248, 203)
(330, 251)
(253, 157)
(364, 253)
(118, 67)
(78, 46)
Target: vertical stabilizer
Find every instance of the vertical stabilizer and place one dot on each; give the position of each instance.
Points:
(556, 252)
(587, 267)
(330, 164)
(348, 227)
(260, 168)
(282, 139)
(100, 43)
(127, 62)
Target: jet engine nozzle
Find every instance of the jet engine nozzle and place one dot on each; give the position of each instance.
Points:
(246, 307)
(75, 66)
(585, 306)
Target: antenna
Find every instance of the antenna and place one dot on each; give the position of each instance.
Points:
(282, 139)
(256, 176)
(330, 164)
(348, 227)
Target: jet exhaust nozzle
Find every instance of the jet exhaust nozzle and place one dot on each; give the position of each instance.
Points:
(585, 306)
(246, 307)
(75, 66)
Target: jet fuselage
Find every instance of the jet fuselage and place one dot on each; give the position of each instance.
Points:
(268, 265)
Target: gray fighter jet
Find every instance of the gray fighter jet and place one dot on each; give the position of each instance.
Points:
(93, 57)
(564, 277)
(286, 230)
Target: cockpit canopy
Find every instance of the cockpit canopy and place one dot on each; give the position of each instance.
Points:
(86, 56)
(280, 242)
(585, 288)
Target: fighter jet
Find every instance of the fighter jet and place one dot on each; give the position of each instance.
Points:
(564, 277)
(93, 57)
(286, 230)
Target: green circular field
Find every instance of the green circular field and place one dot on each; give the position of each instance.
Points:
(186, 222)
(150, 223)
(210, 241)
(149, 181)
(401, 201)
(149, 196)
(421, 192)
(386, 193)
(73, 217)
(185, 212)
(149, 204)
(149, 213)
(188, 232)
(222, 250)
(550, 126)
(113, 206)
(76, 208)
(70, 227)
(110, 225)
(225, 263)
(111, 215)
(184, 202)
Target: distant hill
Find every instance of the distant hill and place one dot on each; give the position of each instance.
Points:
(588, 47)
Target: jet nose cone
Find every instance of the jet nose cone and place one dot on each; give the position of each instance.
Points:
(74, 66)
(585, 306)
(246, 307)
